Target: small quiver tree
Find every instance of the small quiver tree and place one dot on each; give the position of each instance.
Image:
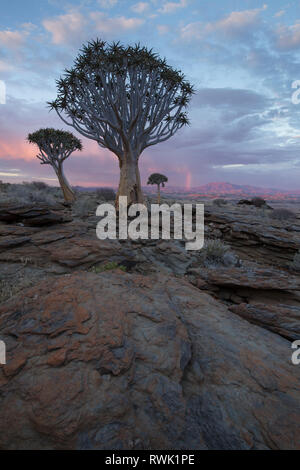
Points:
(126, 99)
(55, 147)
(158, 179)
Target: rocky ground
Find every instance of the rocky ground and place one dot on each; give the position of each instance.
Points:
(143, 345)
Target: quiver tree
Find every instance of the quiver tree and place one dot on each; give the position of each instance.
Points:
(55, 147)
(158, 179)
(125, 98)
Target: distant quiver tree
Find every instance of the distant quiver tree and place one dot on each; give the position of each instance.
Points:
(126, 99)
(158, 179)
(55, 147)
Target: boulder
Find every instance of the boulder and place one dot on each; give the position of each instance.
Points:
(32, 215)
(255, 236)
(124, 361)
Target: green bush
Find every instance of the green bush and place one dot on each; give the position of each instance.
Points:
(107, 267)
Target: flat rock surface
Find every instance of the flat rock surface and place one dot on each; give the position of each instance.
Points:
(121, 361)
(282, 319)
(255, 277)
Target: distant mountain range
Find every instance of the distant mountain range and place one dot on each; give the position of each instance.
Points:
(228, 188)
(223, 189)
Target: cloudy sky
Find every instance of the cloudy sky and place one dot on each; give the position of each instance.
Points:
(241, 55)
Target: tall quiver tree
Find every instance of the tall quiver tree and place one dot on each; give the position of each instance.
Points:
(158, 179)
(55, 147)
(125, 98)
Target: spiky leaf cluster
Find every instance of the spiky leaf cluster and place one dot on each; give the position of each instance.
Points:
(54, 145)
(125, 98)
(157, 178)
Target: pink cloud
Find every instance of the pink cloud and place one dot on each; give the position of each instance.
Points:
(163, 28)
(279, 14)
(74, 26)
(234, 24)
(12, 39)
(289, 36)
(109, 25)
(65, 27)
(13, 148)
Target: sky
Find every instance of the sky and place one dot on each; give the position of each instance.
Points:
(242, 56)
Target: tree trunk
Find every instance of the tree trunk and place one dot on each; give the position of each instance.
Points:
(130, 181)
(68, 192)
(158, 194)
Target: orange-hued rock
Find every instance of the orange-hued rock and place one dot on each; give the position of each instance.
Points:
(282, 319)
(250, 276)
(122, 361)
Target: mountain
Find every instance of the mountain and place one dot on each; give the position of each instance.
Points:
(228, 188)
(220, 189)
(235, 190)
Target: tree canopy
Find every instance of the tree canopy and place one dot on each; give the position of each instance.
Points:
(157, 178)
(123, 97)
(54, 145)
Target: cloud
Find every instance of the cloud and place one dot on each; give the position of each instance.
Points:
(65, 28)
(75, 27)
(171, 7)
(140, 7)
(103, 24)
(240, 100)
(163, 28)
(288, 37)
(237, 23)
(5, 66)
(279, 14)
(12, 39)
(92, 165)
(107, 3)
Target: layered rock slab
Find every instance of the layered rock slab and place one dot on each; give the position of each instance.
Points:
(121, 361)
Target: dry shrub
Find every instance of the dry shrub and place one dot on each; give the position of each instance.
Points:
(84, 206)
(217, 253)
(258, 202)
(296, 261)
(219, 202)
(106, 194)
(28, 193)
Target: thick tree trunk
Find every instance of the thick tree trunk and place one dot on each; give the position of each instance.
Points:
(158, 194)
(130, 181)
(68, 192)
